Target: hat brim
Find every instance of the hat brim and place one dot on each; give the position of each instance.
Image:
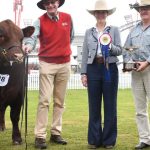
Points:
(136, 6)
(40, 4)
(110, 11)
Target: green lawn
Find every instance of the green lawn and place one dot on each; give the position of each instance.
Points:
(75, 122)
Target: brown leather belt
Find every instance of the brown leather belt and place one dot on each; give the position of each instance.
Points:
(99, 60)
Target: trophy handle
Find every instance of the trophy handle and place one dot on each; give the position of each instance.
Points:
(126, 69)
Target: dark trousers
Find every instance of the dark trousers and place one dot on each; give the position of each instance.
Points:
(99, 88)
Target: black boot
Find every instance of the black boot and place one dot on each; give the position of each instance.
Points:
(40, 143)
(58, 139)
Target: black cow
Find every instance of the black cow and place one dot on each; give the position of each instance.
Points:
(12, 72)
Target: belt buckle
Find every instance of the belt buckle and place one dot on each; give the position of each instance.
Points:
(100, 59)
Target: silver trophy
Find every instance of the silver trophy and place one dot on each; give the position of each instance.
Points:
(129, 64)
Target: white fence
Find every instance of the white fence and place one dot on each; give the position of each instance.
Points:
(75, 81)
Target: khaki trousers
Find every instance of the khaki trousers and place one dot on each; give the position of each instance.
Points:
(141, 92)
(52, 81)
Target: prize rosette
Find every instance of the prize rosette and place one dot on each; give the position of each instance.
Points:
(105, 39)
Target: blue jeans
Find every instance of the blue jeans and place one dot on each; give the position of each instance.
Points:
(101, 89)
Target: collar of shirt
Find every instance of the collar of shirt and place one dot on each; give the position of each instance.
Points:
(107, 25)
(99, 53)
(55, 18)
(100, 33)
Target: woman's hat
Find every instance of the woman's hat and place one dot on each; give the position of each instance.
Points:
(102, 5)
(40, 3)
(142, 3)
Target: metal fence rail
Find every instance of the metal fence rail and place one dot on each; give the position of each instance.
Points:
(75, 81)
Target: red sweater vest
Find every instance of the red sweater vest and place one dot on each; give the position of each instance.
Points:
(55, 39)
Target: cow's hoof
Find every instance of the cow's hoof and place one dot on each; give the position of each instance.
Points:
(2, 128)
(17, 141)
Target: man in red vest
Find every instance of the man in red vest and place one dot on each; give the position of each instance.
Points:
(55, 32)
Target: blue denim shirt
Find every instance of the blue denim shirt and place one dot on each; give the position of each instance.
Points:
(140, 39)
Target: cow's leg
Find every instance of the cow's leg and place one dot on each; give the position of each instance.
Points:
(2, 118)
(14, 115)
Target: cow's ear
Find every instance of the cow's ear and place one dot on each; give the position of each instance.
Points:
(28, 31)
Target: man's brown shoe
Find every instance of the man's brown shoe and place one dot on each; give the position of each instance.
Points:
(40, 143)
(57, 139)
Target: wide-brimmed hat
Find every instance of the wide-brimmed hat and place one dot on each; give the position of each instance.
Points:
(102, 5)
(142, 3)
(40, 3)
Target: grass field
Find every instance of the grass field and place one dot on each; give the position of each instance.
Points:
(75, 122)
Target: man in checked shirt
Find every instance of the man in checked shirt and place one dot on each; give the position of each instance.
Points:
(140, 37)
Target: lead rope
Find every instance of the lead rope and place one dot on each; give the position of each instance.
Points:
(25, 97)
(26, 100)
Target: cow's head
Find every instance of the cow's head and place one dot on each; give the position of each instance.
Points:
(11, 37)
